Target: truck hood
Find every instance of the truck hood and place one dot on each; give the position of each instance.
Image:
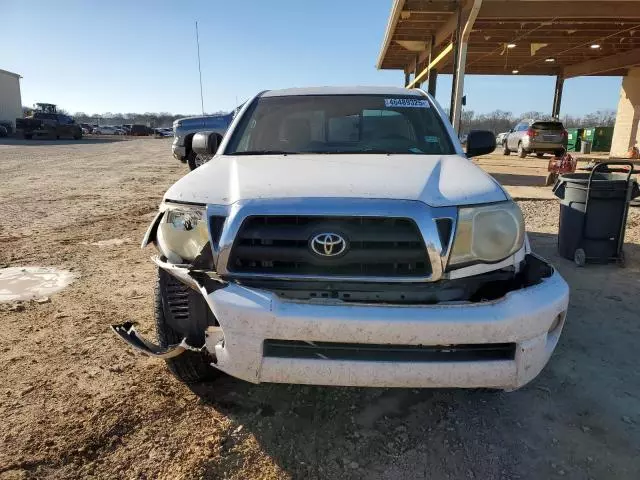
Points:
(207, 121)
(433, 179)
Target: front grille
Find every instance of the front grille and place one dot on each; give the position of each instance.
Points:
(279, 245)
(388, 353)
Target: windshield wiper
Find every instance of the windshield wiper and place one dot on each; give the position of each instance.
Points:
(264, 152)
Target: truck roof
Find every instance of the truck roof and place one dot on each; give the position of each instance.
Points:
(355, 90)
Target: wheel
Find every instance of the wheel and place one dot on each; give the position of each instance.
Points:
(521, 151)
(189, 367)
(201, 160)
(580, 257)
(505, 149)
(621, 260)
(540, 155)
(194, 160)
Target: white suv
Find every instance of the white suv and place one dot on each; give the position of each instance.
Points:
(341, 236)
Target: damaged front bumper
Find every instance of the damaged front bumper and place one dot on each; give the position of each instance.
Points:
(127, 332)
(263, 337)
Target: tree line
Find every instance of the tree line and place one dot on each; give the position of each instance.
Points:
(497, 121)
(151, 119)
(500, 121)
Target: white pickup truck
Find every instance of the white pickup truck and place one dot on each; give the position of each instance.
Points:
(341, 236)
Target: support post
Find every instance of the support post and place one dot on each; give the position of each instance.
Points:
(433, 79)
(459, 68)
(456, 54)
(557, 97)
(407, 78)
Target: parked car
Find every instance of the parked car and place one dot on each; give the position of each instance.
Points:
(106, 130)
(47, 122)
(341, 236)
(140, 130)
(163, 132)
(536, 136)
(185, 128)
(500, 138)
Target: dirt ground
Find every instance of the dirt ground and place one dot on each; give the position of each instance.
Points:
(75, 402)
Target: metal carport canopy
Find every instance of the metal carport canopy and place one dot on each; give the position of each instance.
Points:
(527, 37)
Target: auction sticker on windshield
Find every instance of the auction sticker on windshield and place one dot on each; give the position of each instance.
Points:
(406, 103)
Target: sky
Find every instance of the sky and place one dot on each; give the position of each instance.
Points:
(140, 56)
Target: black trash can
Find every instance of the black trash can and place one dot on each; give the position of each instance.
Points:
(593, 212)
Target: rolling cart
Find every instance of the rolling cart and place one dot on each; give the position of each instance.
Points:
(593, 212)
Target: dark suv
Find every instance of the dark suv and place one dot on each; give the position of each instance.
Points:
(536, 136)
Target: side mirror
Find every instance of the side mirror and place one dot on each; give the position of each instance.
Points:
(206, 143)
(480, 142)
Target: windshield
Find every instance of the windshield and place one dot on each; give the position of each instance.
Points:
(349, 124)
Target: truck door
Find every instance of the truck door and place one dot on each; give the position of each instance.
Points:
(514, 137)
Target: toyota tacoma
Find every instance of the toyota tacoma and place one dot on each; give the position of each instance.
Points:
(341, 236)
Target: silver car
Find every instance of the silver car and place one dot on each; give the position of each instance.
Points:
(536, 136)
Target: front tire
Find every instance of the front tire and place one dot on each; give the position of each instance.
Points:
(189, 367)
(505, 149)
(522, 153)
(191, 160)
(194, 160)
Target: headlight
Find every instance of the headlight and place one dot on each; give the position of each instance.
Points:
(182, 232)
(487, 233)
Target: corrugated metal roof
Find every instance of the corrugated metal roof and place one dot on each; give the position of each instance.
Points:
(529, 37)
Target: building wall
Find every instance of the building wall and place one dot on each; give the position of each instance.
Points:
(626, 133)
(10, 100)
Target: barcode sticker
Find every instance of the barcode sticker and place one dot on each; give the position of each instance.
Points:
(406, 103)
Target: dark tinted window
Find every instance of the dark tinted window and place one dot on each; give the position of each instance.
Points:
(341, 124)
(548, 126)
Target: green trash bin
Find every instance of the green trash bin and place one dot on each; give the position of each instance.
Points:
(602, 138)
(574, 136)
(588, 134)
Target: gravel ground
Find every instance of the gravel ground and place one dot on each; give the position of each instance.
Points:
(76, 403)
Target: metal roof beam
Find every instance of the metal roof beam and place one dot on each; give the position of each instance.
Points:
(530, 9)
(422, 75)
(600, 66)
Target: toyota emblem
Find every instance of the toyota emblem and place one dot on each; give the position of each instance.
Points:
(328, 244)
